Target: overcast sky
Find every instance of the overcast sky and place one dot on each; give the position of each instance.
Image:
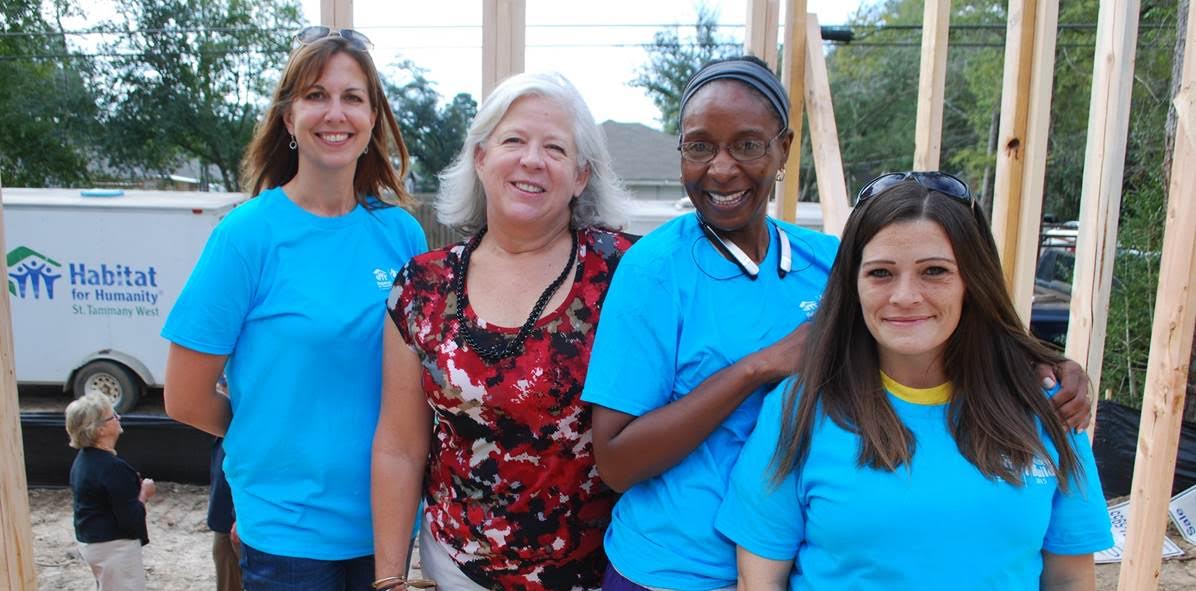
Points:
(595, 44)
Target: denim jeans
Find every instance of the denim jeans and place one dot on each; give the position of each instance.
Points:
(262, 571)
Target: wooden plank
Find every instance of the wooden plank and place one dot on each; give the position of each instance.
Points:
(760, 36)
(1017, 205)
(824, 135)
(932, 81)
(1170, 351)
(16, 534)
(337, 14)
(793, 76)
(1100, 198)
(504, 26)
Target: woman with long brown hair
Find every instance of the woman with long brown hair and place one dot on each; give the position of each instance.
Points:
(915, 448)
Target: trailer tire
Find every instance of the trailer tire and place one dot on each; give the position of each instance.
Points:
(110, 379)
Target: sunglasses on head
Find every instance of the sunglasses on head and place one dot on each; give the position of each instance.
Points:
(314, 33)
(939, 182)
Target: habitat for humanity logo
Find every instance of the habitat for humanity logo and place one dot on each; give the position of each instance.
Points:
(31, 272)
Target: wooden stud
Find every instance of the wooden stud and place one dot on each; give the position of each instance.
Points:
(1170, 351)
(824, 135)
(16, 533)
(760, 36)
(337, 14)
(504, 27)
(928, 134)
(793, 76)
(1021, 157)
(1100, 198)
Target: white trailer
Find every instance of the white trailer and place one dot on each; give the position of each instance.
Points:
(92, 276)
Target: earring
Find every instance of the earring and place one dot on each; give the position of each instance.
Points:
(780, 175)
(293, 143)
(367, 149)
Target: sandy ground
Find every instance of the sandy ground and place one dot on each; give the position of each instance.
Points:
(179, 553)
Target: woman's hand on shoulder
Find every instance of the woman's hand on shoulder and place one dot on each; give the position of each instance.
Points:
(1071, 401)
(780, 359)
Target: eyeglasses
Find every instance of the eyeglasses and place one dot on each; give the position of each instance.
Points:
(939, 182)
(742, 150)
(314, 33)
(115, 417)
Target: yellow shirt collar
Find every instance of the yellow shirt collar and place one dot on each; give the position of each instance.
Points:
(940, 394)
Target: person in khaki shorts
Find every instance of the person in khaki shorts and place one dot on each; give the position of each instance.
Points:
(226, 547)
(109, 497)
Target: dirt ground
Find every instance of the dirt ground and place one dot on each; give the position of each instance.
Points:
(179, 553)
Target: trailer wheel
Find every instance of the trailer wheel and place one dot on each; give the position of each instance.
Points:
(110, 379)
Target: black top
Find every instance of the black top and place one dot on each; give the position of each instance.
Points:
(106, 504)
(220, 497)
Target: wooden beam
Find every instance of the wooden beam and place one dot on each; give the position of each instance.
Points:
(793, 76)
(504, 26)
(1100, 198)
(760, 37)
(1170, 351)
(824, 135)
(1022, 149)
(16, 533)
(337, 14)
(928, 134)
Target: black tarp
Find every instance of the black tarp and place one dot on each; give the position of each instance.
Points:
(1115, 445)
(156, 446)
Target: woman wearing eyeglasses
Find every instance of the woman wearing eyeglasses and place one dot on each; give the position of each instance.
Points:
(914, 449)
(109, 497)
(704, 316)
(289, 293)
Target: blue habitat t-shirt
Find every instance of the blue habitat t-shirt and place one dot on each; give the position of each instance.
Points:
(297, 301)
(940, 525)
(676, 313)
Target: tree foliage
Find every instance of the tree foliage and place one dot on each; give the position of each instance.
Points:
(673, 60)
(45, 107)
(433, 132)
(191, 81)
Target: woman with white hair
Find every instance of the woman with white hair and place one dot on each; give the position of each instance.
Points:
(492, 336)
(109, 496)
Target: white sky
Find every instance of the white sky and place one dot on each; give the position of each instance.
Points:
(577, 38)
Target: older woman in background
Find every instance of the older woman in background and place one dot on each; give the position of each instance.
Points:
(109, 496)
(492, 336)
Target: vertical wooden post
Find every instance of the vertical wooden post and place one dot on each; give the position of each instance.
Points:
(824, 135)
(760, 37)
(793, 76)
(1100, 199)
(1170, 351)
(337, 14)
(932, 82)
(1021, 155)
(504, 25)
(16, 533)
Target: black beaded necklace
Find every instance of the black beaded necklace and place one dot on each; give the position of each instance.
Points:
(508, 347)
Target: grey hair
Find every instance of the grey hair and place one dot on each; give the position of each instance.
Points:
(461, 202)
(84, 418)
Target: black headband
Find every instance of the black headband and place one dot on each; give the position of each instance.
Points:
(750, 73)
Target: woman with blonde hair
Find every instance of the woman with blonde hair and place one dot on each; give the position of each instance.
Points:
(109, 496)
(289, 294)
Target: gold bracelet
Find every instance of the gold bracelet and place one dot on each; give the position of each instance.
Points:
(386, 583)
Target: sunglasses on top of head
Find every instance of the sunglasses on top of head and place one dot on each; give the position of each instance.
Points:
(314, 33)
(939, 182)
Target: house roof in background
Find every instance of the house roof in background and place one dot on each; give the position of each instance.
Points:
(640, 153)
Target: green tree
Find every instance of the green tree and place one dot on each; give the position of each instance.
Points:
(434, 133)
(46, 111)
(672, 60)
(191, 81)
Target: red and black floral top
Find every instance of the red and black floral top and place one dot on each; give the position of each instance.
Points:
(512, 490)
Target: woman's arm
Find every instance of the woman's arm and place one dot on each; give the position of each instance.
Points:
(757, 573)
(628, 449)
(1064, 572)
(190, 393)
(401, 444)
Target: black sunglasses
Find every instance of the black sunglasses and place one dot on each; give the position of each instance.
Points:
(314, 33)
(939, 182)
